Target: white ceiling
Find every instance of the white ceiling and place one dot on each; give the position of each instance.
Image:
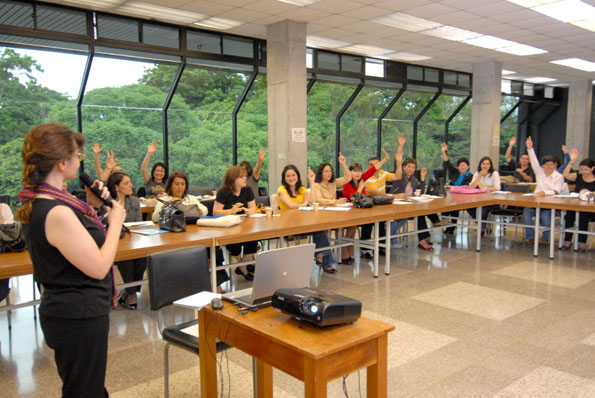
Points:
(349, 21)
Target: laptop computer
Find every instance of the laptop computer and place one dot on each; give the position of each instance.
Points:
(287, 267)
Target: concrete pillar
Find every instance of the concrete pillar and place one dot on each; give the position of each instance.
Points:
(578, 121)
(485, 112)
(286, 90)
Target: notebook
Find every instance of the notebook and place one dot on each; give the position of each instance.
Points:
(284, 268)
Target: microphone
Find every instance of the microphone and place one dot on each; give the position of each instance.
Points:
(88, 182)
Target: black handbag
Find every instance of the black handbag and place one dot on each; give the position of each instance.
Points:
(12, 238)
(172, 219)
(436, 187)
(362, 201)
(191, 212)
(383, 199)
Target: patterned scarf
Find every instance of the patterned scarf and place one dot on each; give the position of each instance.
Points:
(77, 204)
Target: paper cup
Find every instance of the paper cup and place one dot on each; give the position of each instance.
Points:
(269, 212)
(417, 192)
(316, 206)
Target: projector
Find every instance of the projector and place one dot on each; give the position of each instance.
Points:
(317, 307)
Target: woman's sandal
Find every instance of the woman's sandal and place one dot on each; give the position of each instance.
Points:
(329, 269)
(427, 248)
(566, 246)
(248, 276)
(123, 301)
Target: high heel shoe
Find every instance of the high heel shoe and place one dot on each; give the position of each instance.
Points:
(248, 276)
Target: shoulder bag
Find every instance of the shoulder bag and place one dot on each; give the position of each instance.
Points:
(362, 201)
(383, 199)
(12, 237)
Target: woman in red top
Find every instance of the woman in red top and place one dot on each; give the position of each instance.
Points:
(358, 180)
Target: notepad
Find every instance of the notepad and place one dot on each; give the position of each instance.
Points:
(198, 300)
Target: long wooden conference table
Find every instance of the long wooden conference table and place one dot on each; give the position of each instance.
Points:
(295, 222)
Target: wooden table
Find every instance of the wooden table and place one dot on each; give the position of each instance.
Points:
(314, 355)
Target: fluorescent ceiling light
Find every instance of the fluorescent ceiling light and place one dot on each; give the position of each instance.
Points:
(218, 23)
(490, 42)
(366, 50)
(451, 33)
(406, 22)
(521, 49)
(576, 63)
(402, 56)
(585, 24)
(97, 3)
(508, 72)
(323, 42)
(531, 3)
(540, 79)
(567, 10)
(157, 12)
(299, 2)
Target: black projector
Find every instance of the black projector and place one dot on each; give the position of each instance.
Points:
(317, 307)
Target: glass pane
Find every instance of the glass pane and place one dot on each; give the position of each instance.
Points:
(122, 112)
(36, 89)
(432, 75)
(508, 129)
(253, 129)
(415, 72)
(328, 60)
(325, 100)
(117, 28)
(161, 36)
(359, 125)
(207, 43)
(238, 47)
(450, 78)
(16, 14)
(61, 20)
(464, 80)
(351, 64)
(201, 123)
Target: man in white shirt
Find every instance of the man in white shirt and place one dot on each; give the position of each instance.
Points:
(549, 182)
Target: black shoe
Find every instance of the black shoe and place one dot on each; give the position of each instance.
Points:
(248, 276)
(382, 252)
(366, 254)
(347, 261)
(250, 268)
(329, 269)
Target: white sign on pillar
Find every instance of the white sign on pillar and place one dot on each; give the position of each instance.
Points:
(298, 134)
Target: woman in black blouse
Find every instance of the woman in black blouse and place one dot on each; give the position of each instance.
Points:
(72, 255)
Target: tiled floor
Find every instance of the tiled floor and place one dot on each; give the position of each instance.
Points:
(499, 323)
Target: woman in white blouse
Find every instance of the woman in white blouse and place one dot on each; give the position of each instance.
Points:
(485, 178)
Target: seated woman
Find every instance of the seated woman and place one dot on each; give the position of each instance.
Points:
(357, 184)
(326, 184)
(292, 194)
(156, 181)
(176, 191)
(584, 180)
(235, 197)
(485, 178)
(460, 175)
(121, 189)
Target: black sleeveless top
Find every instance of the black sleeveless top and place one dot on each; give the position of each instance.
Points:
(581, 184)
(68, 292)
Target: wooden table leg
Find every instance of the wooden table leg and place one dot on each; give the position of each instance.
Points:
(377, 372)
(264, 379)
(207, 353)
(314, 378)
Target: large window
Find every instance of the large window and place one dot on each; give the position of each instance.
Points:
(509, 127)
(35, 87)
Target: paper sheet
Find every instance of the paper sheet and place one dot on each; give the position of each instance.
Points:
(198, 300)
(334, 208)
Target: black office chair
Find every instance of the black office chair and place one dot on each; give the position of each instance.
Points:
(5, 199)
(508, 214)
(265, 200)
(439, 173)
(175, 274)
(141, 193)
(262, 191)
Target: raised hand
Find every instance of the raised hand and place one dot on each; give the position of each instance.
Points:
(97, 149)
(385, 154)
(573, 154)
(399, 155)
(529, 143)
(402, 139)
(261, 154)
(152, 148)
(564, 149)
(444, 147)
(342, 159)
(311, 176)
(110, 162)
(423, 173)
(512, 141)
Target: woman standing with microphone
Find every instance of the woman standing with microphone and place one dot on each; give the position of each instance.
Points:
(72, 257)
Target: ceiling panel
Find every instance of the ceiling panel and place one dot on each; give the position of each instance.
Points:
(240, 14)
(333, 6)
(430, 11)
(335, 21)
(401, 4)
(205, 7)
(270, 7)
(304, 15)
(366, 12)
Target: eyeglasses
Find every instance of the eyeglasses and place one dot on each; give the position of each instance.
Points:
(81, 155)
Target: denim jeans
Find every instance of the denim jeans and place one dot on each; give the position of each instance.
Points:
(544, 219)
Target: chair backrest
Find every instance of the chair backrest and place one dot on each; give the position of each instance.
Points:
(522, 188)
(262, 191)
(438, 173)
(5, 199)
(141, 193)
(265, 200)
(209, 205)
(274, 202)
(200, 191)
(177, 273)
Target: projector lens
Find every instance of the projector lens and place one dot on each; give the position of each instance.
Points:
(314, 309)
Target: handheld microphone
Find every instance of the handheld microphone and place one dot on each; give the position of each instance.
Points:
(88, 182)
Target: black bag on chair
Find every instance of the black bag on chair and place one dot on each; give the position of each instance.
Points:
(12, 238)
(436, 187)
(172, 219)
(362, 201)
